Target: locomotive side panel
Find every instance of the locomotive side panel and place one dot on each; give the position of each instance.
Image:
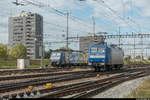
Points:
(116, 56)
(55, 58)
(77, 58)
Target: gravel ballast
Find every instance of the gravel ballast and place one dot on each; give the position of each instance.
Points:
(122, 90)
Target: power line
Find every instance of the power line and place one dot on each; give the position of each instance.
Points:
(58, 12)
(64, 28)
(67, 32)
(41, 5)
(118, 15)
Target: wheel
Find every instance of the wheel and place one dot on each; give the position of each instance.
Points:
(95, 69)
(107, 68)
(99, 69)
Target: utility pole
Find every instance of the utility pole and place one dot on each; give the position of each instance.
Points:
(93, 25)
(67, 32)
(123, 4)
(146, 54)
(134, 47)
(41, 62)
(142, 47)
(119, 36)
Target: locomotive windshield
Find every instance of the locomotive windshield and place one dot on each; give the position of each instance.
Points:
(94, 50)
(55, 55)
(97, 50)
(101, 50)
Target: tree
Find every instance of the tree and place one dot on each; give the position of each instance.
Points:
(138, 57)
(3, 51)
(64, 49)
(19, 51)
(127, 58)
(47, 54)
(149, 58)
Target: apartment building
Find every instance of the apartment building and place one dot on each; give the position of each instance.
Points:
(27, 28)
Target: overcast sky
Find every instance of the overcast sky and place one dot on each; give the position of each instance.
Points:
(130, 15)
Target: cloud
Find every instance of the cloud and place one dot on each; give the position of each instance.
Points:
(55, 25)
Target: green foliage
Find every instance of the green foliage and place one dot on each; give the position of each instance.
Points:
(138, 57)
(8, 63)
(36, 63)
(149, 58)
(3, 51)
(143, 91)
(64, 49)
(136, 62)
(127, 58)
(19, 51)
(12, 63)
(47, 54)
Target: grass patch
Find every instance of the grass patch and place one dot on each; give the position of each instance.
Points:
(143, 91)
(136, 62)
(8, 63)
(36, 63)
(12, 63)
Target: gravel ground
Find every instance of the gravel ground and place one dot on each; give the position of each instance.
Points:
(59, 84)
(122, 90)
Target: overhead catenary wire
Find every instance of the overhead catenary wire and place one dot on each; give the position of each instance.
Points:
(64, 28)
(42, 5)
(118, 15)
(108, 14)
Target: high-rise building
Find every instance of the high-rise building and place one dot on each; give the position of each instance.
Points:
(27, 28)
(86, 41)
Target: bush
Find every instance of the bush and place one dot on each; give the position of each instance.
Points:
(19, 51)
(3, 51)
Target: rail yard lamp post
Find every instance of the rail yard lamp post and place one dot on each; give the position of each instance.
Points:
(40, 51)
(41, 54)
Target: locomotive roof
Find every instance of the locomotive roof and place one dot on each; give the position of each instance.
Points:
(108, 45)
(67, 51)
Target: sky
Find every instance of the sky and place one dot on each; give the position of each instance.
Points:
(129, 15)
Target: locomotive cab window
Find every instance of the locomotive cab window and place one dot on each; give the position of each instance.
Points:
(55, 55)
(93, 50)
(101, 50)
(98, 50)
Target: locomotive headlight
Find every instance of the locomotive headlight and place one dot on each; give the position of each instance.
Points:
(97, 56)
(101, 56)
(89, 63)
(91, 56)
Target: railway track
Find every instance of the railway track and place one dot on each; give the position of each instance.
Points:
(4, 78)
(6, 87)
(66, 87)
(39, 70)
(42, 75)
(94, 87)
(35, 70)
(108, 85)
(49, 72)
(136, 65)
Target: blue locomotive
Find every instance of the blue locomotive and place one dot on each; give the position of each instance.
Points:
(105, 57)
(58, 58)
(68, 58)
